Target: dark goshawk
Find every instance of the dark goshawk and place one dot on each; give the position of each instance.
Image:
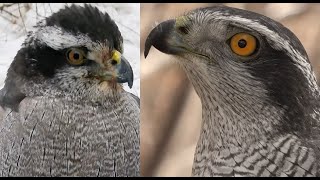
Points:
(66, 113)
(259, 94)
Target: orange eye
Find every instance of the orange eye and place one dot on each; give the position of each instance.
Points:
(243, 44)
(75, 56)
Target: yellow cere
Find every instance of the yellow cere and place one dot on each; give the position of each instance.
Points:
(181, 21)
(116, 55)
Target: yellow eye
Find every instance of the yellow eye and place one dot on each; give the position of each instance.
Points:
(243, 44)
(75, 56)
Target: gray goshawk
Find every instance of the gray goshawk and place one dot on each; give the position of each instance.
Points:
(66, 113)
(259, 95)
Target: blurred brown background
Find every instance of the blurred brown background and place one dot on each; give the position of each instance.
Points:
(171, 111)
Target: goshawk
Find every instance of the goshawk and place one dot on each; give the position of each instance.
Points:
(66, 113)
(259, 94)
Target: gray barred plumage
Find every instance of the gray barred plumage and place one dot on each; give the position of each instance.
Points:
(59, 137)
(285, 156)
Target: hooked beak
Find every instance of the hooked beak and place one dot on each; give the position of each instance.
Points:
(159, 37)
(124, 72)
(168, 37)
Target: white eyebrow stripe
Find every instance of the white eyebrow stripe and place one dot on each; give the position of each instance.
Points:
(57, 39)
(300, 60)
(274, 36)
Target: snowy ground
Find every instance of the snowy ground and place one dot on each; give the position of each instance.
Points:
(13, 31)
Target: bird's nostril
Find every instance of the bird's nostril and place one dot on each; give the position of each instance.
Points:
(183, 29)
(113, 62)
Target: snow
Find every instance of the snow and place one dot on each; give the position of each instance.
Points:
(13, 32)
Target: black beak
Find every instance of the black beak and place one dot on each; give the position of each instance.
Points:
(160, 37)
(125, 73)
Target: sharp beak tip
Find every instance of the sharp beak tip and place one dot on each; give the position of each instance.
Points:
(130, 85)
(129, 79)
(146, 50)
(158, 37)
(125, 73)
(149, 42)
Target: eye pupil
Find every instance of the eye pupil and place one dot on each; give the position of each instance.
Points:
(242, 43)
(76, 56)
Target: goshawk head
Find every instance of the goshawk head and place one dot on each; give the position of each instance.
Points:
(76, 52)
(251, 73)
